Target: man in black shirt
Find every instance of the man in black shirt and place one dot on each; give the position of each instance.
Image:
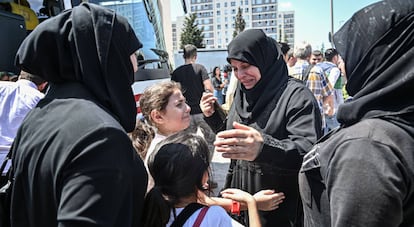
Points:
(194, 81)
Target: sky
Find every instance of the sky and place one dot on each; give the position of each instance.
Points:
(312, 17)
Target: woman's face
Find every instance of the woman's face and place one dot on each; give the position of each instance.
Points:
(247, 74)
(176, 116)
(217, 72)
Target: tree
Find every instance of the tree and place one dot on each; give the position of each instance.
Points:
(239, 23)
(191, 34)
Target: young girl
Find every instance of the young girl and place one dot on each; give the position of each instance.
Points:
(164, 112)
(180, 168)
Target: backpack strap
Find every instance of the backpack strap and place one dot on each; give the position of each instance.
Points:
(305, 74)
(200, 216)
(185, 214)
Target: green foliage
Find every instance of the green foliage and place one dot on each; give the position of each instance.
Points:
(239, 23)
(191, 33)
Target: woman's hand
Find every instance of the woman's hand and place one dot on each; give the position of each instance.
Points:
(242, 142)
(268, 200)
(207, 103)
(237, 195)
(247, 199)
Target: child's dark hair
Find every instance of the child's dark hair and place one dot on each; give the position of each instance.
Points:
(177, 166)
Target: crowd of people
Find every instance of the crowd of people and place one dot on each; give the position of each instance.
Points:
(314, 138)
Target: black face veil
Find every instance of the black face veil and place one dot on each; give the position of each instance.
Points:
(91, 45)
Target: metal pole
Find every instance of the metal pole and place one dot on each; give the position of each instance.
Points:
(332, 18)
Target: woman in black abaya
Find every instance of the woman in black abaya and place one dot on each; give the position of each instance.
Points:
(74, 164)
(273, 121)
(363, 173)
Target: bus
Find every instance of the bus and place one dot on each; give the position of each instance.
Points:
(19, 17)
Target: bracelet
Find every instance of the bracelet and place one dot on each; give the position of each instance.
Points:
(235, 208)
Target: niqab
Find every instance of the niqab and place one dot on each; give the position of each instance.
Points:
(377, 44)
(254, 47)
(91, 45)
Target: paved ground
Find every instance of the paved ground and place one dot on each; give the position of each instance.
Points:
(219, 168)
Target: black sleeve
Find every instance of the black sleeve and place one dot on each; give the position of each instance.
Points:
(303, 128)
(104, 174)
(217, 121)
(366, 185)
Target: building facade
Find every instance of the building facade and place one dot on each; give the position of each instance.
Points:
(286, 27)
(217, 18)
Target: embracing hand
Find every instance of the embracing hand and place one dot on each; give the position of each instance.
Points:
(237, 195)
(268, 200)
(242, 142)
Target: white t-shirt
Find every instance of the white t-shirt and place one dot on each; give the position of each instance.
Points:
(215, 216)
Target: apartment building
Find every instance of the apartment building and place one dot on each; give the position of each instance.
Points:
(217, 17)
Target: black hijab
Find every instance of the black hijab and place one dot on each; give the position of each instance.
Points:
(254, 47)
(91, 45)
(377, 46)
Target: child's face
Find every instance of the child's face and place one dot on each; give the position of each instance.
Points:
(177, 113)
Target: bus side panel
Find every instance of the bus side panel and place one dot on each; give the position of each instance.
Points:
(15, 29)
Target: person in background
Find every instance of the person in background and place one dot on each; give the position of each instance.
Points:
(273, 122)
(218, 85)
(4, 76)
(180, 167)
(337, 81)
(314, 78)
(288, 56)
(73, 162)
(231, 88)
(194, 80)
(226, 79)
(362, 174)
(291, 59)
(316, 57)
(165, 112)
(284, 47)
(14, 78)
(16, 100)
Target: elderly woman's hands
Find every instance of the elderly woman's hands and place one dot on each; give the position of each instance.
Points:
(242, 142)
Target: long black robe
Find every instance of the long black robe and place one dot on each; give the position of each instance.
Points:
(73, 162)
(286, 114)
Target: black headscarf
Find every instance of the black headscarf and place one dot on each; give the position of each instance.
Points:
(91, 45)
(377, 46)
(254, 47)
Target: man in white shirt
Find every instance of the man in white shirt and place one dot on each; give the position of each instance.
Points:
(16, 100)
